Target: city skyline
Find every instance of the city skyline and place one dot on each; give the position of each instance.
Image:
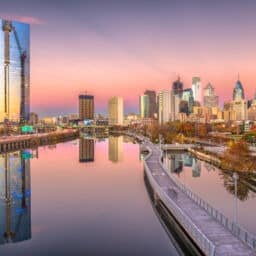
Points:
(117, 55)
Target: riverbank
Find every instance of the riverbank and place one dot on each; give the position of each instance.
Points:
(12, 143)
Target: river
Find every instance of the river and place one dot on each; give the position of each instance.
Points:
(83, 197)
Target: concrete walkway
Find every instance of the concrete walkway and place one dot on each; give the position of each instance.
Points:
(226, 244)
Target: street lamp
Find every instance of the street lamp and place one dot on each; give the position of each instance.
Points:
(235, 178)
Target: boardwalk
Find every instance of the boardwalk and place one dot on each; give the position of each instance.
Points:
(208, 233)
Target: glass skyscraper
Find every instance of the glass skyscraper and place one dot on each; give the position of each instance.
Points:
(14, 71)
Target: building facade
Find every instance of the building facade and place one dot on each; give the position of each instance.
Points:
(115, 111)
(152, 103)
(14, 71)
(165, 103)
(177, 87)
(210, 99)
(86, 107)
(238, 91)
(196, 88)
(144, 106)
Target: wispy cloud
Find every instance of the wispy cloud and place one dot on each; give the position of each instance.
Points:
(23, 18)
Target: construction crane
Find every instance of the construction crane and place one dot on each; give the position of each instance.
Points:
(8, 27)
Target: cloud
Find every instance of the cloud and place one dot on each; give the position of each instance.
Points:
(23, 18)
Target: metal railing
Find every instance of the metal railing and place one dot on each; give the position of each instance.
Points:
(196, 234)
(233, 227)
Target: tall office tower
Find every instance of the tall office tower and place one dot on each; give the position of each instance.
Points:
(196, 88)
(152, 103)
(238, 91)
(86, 150)
(15, 71)
(177, 87)
(165, 106)
(187, 95)
(15, 197)
(115, 111)
(144, 106)
(115, 148)
(86, 107)
(236, 110)
(210, 99)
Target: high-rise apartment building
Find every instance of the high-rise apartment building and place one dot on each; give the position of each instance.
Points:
(116, 111)
(14, 71)
(196, 88)
(152, 108)
(86, 107)
(144, 106)
(210, 99)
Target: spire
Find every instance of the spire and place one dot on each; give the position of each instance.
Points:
(238, 77)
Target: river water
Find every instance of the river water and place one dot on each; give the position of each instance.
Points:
(217, 187)
(83, 197)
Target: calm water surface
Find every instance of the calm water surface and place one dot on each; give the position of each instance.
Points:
(217, 187)
(78, 198)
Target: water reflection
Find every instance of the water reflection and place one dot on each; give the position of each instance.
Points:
(15, 204)
(115, 148)
(86, 150)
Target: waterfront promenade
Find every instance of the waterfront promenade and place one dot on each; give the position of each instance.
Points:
(210, 230)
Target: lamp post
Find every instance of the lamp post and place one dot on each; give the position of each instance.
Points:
(235, 178)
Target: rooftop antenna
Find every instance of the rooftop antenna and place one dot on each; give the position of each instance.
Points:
(238, 76)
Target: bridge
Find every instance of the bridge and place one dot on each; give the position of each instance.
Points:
(212, 232)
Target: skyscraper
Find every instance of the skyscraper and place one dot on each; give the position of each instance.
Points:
(196, 88)
(144, 106)
(210, 99)
(152, 103)
(238, 91)
(116, 111)
(177, 87)
(187, 95)
(86, 107)
(15, 71)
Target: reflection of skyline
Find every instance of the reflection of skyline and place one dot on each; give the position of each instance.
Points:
(115, 148)
(86, 150)
(15, 201)
(174, 163)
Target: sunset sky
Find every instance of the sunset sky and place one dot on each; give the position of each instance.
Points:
(124, 47)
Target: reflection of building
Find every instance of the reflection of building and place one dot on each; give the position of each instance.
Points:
(86, 107)
(187, 160)
(196, 168)
(115, 148)
(15, 214)
(115, 110)
(174, 163)
(14, 70)
(86, 150)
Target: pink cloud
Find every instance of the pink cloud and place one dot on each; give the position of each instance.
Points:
(23, 18)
